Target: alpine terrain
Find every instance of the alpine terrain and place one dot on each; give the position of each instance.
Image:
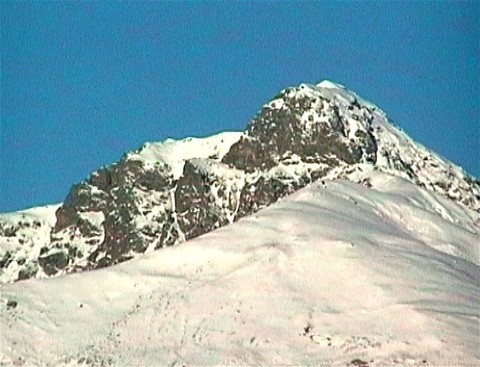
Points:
(321, 235)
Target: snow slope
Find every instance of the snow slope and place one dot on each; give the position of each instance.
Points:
(338, 273)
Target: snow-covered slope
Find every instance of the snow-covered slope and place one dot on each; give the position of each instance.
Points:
(166, 193)
(340, 273)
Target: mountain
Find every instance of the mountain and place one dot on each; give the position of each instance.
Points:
(337, 274)
(321, 235)
(166, 193)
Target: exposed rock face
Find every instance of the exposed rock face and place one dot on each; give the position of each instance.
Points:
(206, 196)
(308, 125)
(166, 193)
(263, 192)
(101, 215)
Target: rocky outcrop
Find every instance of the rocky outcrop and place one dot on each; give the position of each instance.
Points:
(206, 196)
(306, 125)
(102, 215)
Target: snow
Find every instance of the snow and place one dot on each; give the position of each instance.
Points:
(174, 153)
(340, 93)
(329, 85)
(96, 218)
(333, 273)
(44, 214)
(278, 104)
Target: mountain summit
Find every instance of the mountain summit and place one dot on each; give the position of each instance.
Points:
(166, 193)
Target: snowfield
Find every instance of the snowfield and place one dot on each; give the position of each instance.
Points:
(337, 273)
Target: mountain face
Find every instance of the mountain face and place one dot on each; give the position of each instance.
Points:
(166, 193)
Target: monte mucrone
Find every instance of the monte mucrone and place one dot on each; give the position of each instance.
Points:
(320, 235)
(166, 193)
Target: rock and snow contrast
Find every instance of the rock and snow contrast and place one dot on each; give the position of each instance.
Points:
(23, 235)
(343, 242)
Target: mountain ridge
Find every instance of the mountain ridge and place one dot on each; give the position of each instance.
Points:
(165, 193)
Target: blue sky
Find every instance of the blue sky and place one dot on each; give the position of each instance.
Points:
(84, 82)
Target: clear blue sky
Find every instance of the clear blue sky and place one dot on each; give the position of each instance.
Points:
(84, 82)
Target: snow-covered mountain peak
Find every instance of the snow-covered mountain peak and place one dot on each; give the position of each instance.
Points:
(167, 192)
(332, 91)
(352, 130)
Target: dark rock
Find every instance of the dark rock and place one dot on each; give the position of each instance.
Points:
(111, 190)
(262, 193)
(9, 230)
(6, 259)
(27, 272)
(81, 197)
(275, 132)
(52, 264)
(195, 204)
(66, 216)
(249, 155)
(11, 304)
(358, 363)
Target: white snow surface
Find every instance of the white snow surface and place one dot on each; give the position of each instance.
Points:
(330, 85)
(337, 91)
(335, 272)
(174, 153)
(45, 214)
